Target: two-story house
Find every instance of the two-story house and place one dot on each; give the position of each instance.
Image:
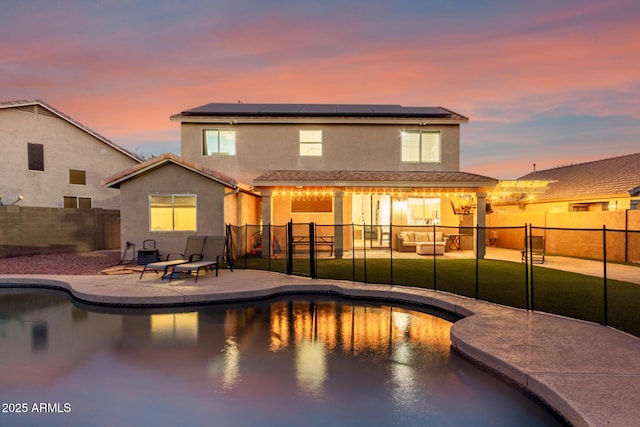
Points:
(51, 160)
(380, 166)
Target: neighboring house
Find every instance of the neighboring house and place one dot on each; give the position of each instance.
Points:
(50, 160)
(602, 185)
(577, 209)
(377, 165)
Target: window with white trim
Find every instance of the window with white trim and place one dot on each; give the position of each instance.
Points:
(77, 202)
(172, 212)
(219, 142)
(310, 142)
(421, 146)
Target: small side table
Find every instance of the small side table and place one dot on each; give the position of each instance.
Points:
(454, 242)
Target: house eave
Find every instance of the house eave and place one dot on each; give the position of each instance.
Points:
(170, 159)
(399, 185)
(235, 120)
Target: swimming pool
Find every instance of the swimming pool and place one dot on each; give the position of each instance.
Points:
(297, 360)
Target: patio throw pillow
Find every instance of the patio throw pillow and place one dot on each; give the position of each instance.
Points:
(421, 236)
(406, 236)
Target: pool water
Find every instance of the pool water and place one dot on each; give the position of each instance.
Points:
(288, 361)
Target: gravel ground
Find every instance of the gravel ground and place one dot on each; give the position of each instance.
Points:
(70, 263)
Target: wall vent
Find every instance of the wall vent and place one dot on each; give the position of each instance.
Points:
(26, 108)
(45, 112)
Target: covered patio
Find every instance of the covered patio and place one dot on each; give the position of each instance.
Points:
(356, 210)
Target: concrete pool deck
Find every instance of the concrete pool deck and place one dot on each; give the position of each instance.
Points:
(587, 372)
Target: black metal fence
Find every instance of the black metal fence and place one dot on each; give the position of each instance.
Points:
(504, 265)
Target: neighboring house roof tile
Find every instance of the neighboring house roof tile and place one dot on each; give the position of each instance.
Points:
(321, 110)
(613, 176)
(27, 103)
(145, 167)
(389, 178)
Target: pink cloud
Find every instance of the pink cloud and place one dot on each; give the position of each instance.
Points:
(500, 69)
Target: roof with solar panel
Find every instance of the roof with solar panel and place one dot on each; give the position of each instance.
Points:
(321, 110)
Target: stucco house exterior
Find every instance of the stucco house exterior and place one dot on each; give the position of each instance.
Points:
(611, 184)
(167, 198)
(379, 167)
(51, 160)
(572, 205)
(333, 164)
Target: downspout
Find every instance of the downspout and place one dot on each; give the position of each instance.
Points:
(236, 190)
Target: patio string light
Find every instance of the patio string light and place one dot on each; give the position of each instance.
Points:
(324, 192)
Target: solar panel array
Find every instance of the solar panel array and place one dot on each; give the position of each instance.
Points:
(322, 110)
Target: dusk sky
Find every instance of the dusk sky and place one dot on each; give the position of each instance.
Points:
(550, 82)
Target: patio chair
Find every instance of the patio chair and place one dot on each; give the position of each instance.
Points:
(215, 249)
(192, 251)
(536, 251)
(384, 235)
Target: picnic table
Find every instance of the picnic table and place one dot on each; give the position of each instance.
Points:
(319, 241)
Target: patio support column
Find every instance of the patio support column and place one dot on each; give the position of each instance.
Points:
(267, 232)
(481, 221)
(338, 221)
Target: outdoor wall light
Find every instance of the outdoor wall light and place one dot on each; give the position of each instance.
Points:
(18, 198)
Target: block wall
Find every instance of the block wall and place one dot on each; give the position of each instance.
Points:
(35, 230)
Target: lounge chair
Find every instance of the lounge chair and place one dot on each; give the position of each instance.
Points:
(535, 252)
(193, 251)
(215, 248)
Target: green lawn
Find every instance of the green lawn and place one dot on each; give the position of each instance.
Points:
(503, 282)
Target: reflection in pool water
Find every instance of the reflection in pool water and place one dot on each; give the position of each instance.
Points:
(288, 361)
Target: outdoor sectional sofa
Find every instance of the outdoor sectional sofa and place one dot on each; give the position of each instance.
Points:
(421, 242)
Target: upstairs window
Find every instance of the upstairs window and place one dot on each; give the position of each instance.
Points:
(35, 153)
(421, 146)
(172, 212)
(311, 143)
(77, 177)
(219, 142)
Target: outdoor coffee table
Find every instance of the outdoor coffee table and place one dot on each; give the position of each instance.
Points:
(427, 248)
